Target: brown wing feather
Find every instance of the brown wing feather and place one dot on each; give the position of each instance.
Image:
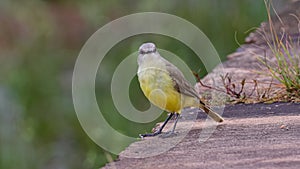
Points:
(180, 83)
(184, 87)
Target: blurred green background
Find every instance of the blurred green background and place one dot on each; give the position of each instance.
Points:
(39, 43)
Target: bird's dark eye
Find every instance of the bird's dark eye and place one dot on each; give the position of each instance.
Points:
(147, 52)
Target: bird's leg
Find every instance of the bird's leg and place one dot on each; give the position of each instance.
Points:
(160, 129)
(176, 120)
(174, 126)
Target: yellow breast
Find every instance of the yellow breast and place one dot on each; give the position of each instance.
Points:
(158, 87)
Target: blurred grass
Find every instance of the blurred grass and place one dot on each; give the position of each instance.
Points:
(39, 43)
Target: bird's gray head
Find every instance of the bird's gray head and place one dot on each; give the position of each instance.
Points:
(147, 48)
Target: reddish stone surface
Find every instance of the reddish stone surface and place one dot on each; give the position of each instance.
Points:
(252, 136)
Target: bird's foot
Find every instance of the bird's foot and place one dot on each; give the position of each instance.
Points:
(149, 134)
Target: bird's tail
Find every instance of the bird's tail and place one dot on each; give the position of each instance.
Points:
(211, 113)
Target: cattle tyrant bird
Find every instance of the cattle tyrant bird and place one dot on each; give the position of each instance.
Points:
(166, 87)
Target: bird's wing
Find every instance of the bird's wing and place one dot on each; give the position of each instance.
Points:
(180, 83)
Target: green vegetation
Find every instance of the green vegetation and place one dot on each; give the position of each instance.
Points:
(285, 68)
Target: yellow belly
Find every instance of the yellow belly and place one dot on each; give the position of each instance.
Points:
(158, 87)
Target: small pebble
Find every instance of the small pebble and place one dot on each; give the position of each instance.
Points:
(284, 127)
(269, 108)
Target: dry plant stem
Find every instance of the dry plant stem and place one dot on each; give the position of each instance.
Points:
(254, 88)
(229, 91)
(206, 86)
(230, 88)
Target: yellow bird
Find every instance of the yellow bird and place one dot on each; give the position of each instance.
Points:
(166, 87)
